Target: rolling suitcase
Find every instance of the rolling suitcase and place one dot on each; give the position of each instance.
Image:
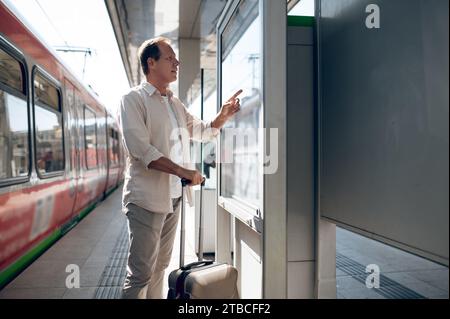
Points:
(203, 279)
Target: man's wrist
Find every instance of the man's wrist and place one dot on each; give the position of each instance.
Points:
(179, 171)
(219, 121)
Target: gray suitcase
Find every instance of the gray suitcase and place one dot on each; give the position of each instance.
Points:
(202, 279)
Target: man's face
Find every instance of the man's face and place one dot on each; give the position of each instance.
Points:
(166, 68)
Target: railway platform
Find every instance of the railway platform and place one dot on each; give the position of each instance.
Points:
(98, 246)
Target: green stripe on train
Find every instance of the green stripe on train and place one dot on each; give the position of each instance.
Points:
(12, 271)
(111, 190)
(9, 273)
(86, 211)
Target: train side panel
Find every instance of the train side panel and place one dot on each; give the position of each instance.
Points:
(56, 163)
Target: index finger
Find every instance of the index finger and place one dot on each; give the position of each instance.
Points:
(235, 95)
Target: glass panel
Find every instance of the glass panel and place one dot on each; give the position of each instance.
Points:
(116, 147)
(101, 139)
(195, 108)
(209, 113)
(90, 131)
(49, 141)
(10, 71)
(46, 93)
(113, 146)
(14, 155)
(241, 172)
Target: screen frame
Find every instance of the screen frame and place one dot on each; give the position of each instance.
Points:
(244, 211)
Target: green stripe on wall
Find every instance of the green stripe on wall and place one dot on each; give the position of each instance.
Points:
(300, 21)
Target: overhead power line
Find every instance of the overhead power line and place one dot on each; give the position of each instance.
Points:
(51, 22)
(86, 51)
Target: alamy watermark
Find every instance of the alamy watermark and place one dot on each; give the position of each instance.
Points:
(373, 19)
(373, 279)
(73, 279)
(238, 145)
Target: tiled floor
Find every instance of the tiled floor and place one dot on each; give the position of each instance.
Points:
(404, 271)
(92, 244)
(89, 245)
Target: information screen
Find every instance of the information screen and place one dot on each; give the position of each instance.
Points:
(241, 58)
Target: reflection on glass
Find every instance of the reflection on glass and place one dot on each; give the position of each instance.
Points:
(194, 100)
(90, 131)
(49, 141)
(210, 94)
(13, 136)
(241, 69)
(10, 71)
(113, 146)
(45, 92)
(195, 106)
(209, 149)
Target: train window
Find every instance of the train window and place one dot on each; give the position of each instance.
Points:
(11, 72)
(48, 126)
(114, 152)
(117, 150)
(90, 138)
(14, 129)
(46, 93)
(112, 159)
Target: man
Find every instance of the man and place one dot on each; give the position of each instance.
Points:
(157, 159)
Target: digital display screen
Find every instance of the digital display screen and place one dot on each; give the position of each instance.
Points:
(241, 65)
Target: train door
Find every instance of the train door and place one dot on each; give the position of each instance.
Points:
(73, 151)
(109, 157)
(82, 189)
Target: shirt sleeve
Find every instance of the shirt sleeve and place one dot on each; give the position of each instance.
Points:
(199, 130)
(136, 135)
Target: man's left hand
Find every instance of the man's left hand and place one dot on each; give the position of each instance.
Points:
(231, 107)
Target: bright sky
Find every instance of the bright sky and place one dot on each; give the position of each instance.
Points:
(303, 8)
(85, 23)
(81, 23)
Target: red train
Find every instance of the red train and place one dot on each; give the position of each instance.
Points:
(60, 149)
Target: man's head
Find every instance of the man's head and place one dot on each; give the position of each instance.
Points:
(158, 60)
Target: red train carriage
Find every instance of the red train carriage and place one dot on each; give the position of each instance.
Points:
(59, 148)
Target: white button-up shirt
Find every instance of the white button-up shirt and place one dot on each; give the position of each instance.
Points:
(176, 155)
(147, 135)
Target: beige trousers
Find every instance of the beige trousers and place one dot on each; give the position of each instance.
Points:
(152, 237)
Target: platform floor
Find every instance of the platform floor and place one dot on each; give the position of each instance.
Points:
(98, 245)
(402, 275)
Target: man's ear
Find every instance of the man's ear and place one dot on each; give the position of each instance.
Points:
(150, 63)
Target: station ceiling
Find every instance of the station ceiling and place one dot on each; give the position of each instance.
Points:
(135, 21)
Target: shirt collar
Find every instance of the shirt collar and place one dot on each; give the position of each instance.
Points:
(150, 89)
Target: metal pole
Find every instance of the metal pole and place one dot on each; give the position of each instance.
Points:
(182, 232)
(200, 235)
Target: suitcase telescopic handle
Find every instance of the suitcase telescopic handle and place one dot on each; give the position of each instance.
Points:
(184, 183)
(197, 264)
